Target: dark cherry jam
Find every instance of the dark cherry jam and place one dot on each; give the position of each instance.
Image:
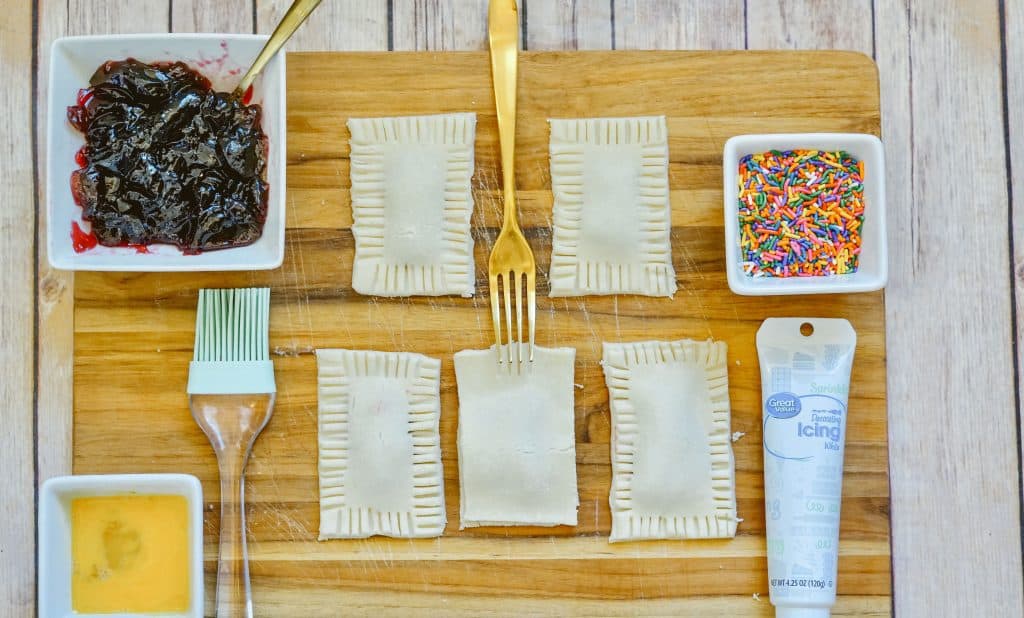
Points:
(168, 160)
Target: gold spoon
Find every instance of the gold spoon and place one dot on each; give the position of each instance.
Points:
(296, 15)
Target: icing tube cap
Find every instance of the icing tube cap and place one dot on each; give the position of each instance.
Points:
(802, 612)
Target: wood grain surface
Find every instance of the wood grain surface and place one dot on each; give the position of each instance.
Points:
(1014, 125)
(134, 338)
(937, 570)
(684, 24)
(578, 24)
(957, 111)
(17, 324)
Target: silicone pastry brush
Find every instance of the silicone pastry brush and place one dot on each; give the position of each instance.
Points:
(231, 393)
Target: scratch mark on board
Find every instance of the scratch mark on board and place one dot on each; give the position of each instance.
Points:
(595, 338)
(479, 320)
(293, 351)
(615, 307)
(304, 288)
(287, 302)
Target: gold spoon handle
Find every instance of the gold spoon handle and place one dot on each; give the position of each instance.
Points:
(297, 13)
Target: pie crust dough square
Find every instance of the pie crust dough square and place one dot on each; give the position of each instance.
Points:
(517, 443)
(411, 205)
(612, 219)
(380, 451)
(673, 473)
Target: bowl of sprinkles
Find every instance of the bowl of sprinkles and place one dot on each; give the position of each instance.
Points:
(805, 213)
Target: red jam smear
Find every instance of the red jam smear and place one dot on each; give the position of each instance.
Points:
(167, 160)
(82, 241)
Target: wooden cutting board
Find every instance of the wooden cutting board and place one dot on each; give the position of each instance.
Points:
(134, 334)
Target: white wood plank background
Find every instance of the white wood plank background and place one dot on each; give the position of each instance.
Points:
(952, 79)
(17, 312)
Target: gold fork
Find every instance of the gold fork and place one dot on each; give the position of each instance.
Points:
(511, 258)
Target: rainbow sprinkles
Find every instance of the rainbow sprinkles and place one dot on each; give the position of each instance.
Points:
(800, 213)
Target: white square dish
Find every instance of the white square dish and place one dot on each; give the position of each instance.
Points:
(872, 272)
(222, 58)
(55, 561)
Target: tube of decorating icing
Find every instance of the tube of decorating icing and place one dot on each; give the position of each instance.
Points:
(805, 379)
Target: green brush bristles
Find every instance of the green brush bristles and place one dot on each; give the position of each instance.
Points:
(233, 325)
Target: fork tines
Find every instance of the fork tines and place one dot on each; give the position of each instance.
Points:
(504, 280)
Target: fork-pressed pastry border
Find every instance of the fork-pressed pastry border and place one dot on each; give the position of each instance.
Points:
(338, 370)
(376, 270)
(576, 269)
(620, 361)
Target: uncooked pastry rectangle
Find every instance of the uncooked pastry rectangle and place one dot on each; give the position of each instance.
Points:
(379, 446)
(612, 219)
(411, 205)
(673, 473)
(517, 446)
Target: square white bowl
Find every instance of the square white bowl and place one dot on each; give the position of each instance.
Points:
(55, 498)
(872, 271)
(222, 58)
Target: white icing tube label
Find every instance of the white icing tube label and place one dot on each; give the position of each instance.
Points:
(805, 375)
